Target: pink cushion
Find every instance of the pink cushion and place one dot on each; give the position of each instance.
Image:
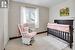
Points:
(29, 35)
(25, 32)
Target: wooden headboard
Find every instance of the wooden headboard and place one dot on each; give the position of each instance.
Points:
(66, 22)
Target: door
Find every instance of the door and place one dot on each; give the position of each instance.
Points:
(1, 29)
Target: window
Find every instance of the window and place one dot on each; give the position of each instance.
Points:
(30, 15)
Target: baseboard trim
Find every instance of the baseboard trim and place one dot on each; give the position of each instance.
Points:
(15, 37)
(11, 38)
(41, 32)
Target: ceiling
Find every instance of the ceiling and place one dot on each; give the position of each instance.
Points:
(46, 3)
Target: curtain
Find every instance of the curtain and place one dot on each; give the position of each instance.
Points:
(30, 15)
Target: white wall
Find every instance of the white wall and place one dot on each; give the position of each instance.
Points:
(15, 15)
(55, 11)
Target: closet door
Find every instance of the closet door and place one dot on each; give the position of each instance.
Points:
(1, 29)
(5, 26)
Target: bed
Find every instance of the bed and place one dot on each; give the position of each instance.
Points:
(64, 35)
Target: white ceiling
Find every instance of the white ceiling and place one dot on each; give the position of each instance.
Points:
(46, 3)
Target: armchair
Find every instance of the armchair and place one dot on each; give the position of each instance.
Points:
(26, 35)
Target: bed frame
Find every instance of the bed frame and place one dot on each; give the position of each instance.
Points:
(66, 36)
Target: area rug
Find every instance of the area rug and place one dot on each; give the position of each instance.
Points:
(55, 42)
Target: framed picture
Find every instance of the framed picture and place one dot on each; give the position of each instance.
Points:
(64, 12)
